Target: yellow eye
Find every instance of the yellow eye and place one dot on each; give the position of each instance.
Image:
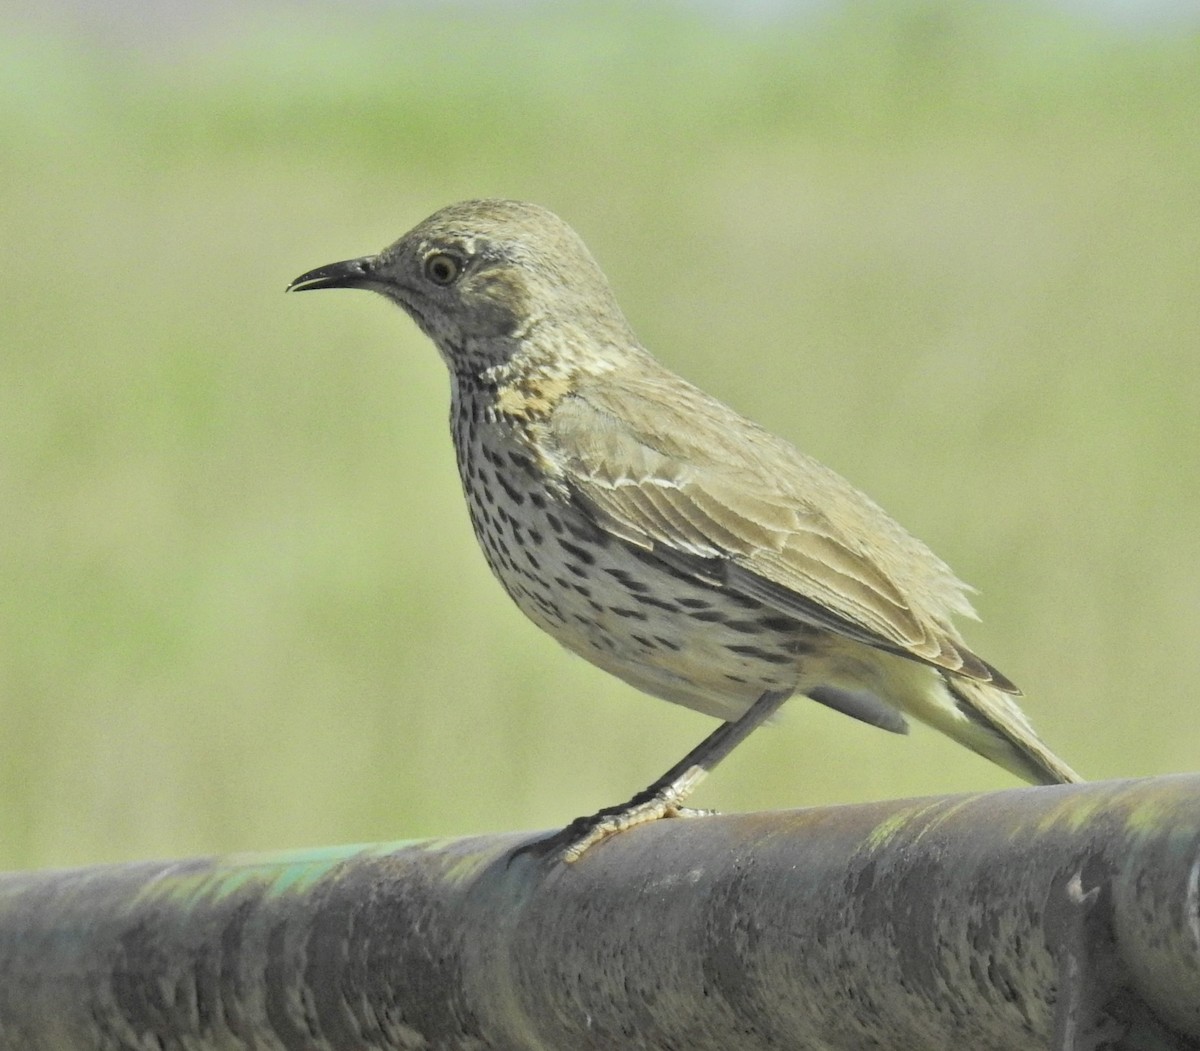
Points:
(443, 269)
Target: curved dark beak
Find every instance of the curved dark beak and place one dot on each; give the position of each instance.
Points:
(350, 273)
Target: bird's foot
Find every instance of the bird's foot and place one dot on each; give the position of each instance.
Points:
(657, 801)
(585, 833)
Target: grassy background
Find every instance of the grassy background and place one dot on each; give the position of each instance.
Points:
(951, 249)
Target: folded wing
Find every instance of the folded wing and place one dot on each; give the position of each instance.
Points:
(675, 472)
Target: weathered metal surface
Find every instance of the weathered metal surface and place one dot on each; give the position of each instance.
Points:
(1064, 917)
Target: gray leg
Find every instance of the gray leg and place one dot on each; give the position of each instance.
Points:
(664, 796)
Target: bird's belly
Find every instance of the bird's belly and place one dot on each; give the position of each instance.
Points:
(668, 634)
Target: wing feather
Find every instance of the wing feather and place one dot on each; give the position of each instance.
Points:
(668, 468)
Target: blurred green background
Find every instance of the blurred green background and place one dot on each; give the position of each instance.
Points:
(951, 249)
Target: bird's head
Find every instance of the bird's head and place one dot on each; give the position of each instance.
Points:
(487, 280)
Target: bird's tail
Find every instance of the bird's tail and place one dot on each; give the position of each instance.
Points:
(988, 721)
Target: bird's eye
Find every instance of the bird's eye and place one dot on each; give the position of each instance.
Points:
(443, 269)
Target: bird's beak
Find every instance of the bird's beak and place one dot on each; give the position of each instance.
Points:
(350, 273)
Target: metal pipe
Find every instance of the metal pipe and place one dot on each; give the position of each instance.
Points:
(1064, 917)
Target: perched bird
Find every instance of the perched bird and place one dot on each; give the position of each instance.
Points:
(660, 535)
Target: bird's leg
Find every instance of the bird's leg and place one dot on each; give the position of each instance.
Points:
(664, 796)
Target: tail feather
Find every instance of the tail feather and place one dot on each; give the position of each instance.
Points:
(998, 730)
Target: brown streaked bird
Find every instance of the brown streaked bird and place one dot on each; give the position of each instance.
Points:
(660, 535)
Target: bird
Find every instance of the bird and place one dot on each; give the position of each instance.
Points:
(659, 534)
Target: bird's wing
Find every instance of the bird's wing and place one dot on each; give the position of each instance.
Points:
(671, 470)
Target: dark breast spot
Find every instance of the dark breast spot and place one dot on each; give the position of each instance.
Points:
(585, 530)
(779, 623)
(581, 553)
(743, 627)
(548, 607)
(655, 603)
(521, 462)
(627, 580)
(514, 494)
(741, 601)
(760, 654)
